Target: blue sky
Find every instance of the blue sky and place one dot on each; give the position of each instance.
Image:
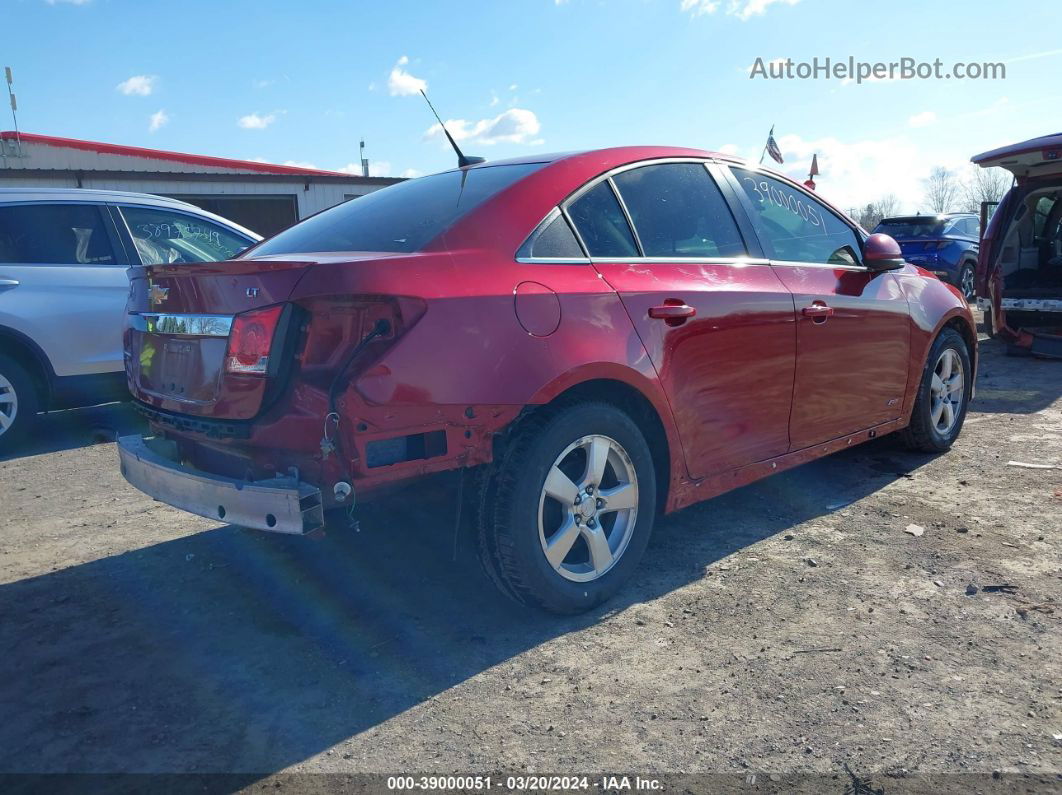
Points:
(303, 82)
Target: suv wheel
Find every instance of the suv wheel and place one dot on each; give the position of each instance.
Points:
(943, 395)
(966, 282)
(566, 512)
(18, 402)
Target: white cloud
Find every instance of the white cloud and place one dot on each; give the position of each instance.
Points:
(923, 119)
(253, 121)
(854, 173)
(411, 173)
(728, 149)
(377, 168)
(742, 9)
(138, 85)
(159, 119)
(516, 125)
(68, 2)
(300, 164)
(401, 83)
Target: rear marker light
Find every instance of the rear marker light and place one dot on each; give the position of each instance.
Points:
(251, 339)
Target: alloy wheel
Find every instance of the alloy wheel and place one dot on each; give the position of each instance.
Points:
(588, 508)
(967, 283)
(8, 404)
(946, 391)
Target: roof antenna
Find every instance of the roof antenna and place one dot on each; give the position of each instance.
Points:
(462, 159)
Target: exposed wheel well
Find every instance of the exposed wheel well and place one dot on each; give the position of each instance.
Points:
(15, 346)
(629, 400)
(968, 335)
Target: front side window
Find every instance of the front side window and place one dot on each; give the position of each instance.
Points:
(601, 224)
(679, 212)
(54, 234)
(401, 218)
(796, 227)
(165, 237)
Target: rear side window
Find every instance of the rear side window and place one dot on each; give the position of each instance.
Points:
(401, 218)
(679, 212)
(796, 227)
(556, 241)
(601, 223)
(54, 234)
(164, 237)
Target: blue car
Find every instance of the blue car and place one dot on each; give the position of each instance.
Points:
(944, 244)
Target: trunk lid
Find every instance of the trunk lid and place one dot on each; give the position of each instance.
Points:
(178, 327)
(1033, 158)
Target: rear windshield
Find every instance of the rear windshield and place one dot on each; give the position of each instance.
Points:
(912, 227)
(401, 218)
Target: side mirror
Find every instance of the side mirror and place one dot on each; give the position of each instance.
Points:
(882, 253)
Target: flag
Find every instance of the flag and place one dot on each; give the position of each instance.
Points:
(814, 167)
(772, 148)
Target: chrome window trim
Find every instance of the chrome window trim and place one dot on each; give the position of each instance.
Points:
(553, 260)
(181, 325)
(735, 261)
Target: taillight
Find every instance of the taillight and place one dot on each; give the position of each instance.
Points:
(251, 339)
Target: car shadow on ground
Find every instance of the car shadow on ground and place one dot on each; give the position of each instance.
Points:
(73, 428)
(237, 651)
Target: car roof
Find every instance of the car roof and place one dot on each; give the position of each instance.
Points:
(93, 196)
(87, 195)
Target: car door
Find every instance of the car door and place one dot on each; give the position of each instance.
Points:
(63, 283)
(852, 324)
(716, 320)
(167, 236)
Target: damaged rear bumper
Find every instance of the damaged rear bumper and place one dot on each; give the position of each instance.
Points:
(279, 505)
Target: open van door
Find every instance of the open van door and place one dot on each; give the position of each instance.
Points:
(1019, 271)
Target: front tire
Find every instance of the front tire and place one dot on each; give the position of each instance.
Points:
(943, 395)
(566, 511)
(18, 403)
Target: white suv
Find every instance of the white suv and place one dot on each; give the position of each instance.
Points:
(63, 288)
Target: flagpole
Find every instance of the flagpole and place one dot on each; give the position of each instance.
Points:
(764, 152)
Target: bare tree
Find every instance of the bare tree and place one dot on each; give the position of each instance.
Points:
(942, 190)
(870, 214)
(985, 185)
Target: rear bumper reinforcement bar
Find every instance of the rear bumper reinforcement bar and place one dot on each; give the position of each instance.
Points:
(280, 505)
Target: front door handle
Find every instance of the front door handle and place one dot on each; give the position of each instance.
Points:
(672, 312)
(8, 284)
(817, 312)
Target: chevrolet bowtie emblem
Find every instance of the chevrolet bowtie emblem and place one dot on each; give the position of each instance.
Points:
(157, 294)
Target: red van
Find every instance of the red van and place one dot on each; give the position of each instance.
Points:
(1019, 269)
(594, 338)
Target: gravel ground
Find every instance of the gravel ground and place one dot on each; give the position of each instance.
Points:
(793, 626)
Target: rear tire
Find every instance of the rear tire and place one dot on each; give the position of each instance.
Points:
(18, 403)
(566, 511)
(943, 395)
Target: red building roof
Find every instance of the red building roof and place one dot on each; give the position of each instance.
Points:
(176, 157)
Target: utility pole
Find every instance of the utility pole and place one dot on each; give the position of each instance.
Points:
(364, 160)
(14, 107)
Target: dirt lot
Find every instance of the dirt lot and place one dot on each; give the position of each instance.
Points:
(789, 627)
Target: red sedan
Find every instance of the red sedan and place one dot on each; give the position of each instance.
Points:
(596, 337)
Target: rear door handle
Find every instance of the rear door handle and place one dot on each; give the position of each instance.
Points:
(8, 284)
(672, 312)
(817, 311)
